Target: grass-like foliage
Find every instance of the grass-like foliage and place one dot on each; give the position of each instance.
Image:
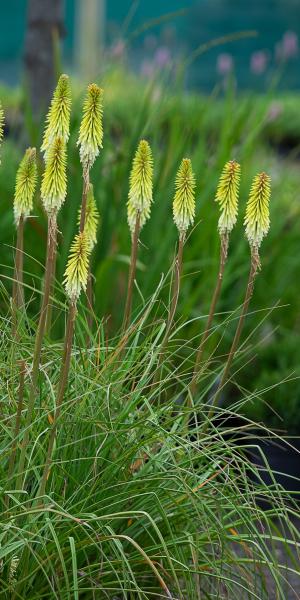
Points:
(120, 475)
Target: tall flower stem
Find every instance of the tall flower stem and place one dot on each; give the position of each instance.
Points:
(89, 296)
(22, 371)
(175, 290)
(85, 189)
(52, 276)
(255, 264)
(212, 310)
(132, 271)
(173, 306)
(63, 380)
(76, 274)
(51, 250)
(183, 214)
(89, 292)
(18, 293)
(12, 458)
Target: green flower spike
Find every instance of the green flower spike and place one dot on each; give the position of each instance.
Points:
(140, 186)
(58, 118)
(1, 125)
(54, 183)
(25, 185)
(184, 199)
(91, 218)
(227, 196)
(257, 219)
(76, 273)
(91, 128)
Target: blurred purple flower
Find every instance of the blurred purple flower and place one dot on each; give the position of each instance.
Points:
(162, 57)
(288, 46)
(224, 64)
(118, 49)
(147, 69)
(258, 62)
(274, 111)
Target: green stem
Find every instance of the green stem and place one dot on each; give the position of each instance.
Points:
(173, 307)
(89, 296)
(51, 249)
(48, 323)
(85, 189)
(212, 310)
(255, 264)
(175, 290)
(18, 293)
(22, 371)
(89, 293)
(63, 380)
(132, 272)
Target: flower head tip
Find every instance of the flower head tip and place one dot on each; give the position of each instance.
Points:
(58, 118)
(257, 219)
(227, 196)
(184, 199)
(91, 128)
(140, 186)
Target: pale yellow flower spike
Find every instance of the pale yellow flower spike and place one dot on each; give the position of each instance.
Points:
(1, 125)
(257, 219)
(227, 196)
(91, 129)
(54, 183)
(76, 273)
(91, 218)
(140, 186)
(25, 185)
(184, 199)
(58, 118)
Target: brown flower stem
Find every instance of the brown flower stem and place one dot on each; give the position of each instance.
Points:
(132, 272)
(63, 380)
(51, 296)
(173, 306)
(85, 188)
(18, 293)
(11, 463)
(212, 310)
(175, 290)
(89, 296)
(255, 265)
(51, 249)
(19, 263)
(22, 371)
